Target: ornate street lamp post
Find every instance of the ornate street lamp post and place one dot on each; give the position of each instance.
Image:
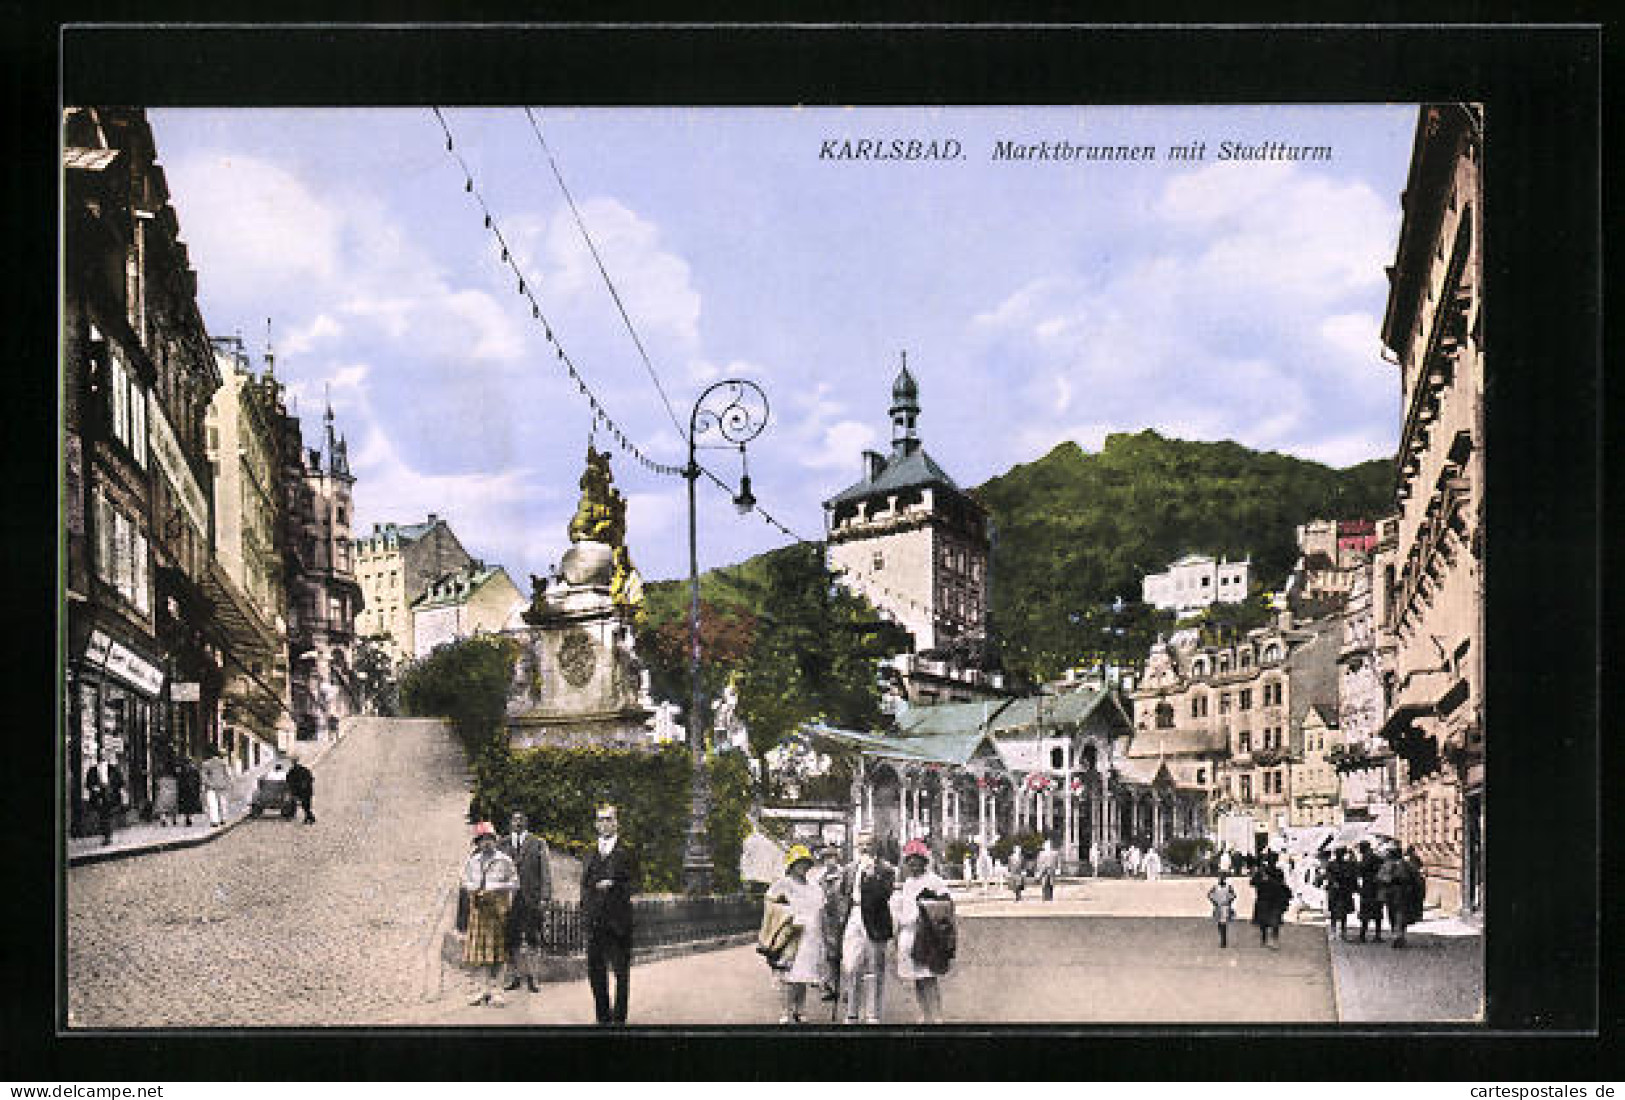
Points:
(736, 410)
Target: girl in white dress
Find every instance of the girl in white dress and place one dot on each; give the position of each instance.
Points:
(905, 909)
(806, 902)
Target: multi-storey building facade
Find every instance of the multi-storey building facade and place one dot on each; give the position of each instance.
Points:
(1331, 553)
(394, 566)
(324, 598)
(1432, 585)
(907, 539)
(1247, 700)
(248, 587)
(1368, 770)
(476, 599)
(136, 378)
(1313, 779)
(1196, 582)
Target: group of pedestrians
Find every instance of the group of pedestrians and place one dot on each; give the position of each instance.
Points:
(1377, 884)
(509, 884)
(1387, 883)
(1271, 897)
(508, 881)
(182, 789)
(832, 928)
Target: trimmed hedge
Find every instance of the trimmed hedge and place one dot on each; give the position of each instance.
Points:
(558, 789)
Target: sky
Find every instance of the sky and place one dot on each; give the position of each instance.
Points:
(1037, 301)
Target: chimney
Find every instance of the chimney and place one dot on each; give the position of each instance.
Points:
(433, 519)
(873, 463)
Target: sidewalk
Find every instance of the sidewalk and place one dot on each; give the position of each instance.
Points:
(1437, 977)
(146, 837)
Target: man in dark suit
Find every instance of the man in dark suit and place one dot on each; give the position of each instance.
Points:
(606, 903)
(302, 787)
(532, 857)
(864, 916)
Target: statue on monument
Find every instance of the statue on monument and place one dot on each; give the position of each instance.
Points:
(601, 515)
(579, 680)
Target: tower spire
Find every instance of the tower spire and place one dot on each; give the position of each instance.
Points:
(905, 408)
(270, 356)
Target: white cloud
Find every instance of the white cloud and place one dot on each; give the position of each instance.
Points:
(305, 338)
(841, 446)
(1239, 327)
(1355, 336)
(655, 285)
(249, 220)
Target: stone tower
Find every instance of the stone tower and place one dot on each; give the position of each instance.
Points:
(910, 540)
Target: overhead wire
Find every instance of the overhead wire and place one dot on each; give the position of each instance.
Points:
(525, 289)
(620, 306)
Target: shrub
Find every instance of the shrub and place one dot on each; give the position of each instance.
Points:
(466, 682)
(955, 856)
(1030, 844)
(558, 789)
(1109, 868)
(1184, 853)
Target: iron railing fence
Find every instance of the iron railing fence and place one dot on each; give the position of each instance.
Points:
(656, 921)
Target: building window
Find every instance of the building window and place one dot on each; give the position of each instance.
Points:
(1246, 788)
(1201, 775)
(879, 562)
(1245, 701)
(121, 553)
(1246, 740)
(129, 410)
(1224, 702)
(1165, 716)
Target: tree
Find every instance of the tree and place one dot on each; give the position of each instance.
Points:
(467, 682)
(814, 654)
(726, 635)
(380, 694)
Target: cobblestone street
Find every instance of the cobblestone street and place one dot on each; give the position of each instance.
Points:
(278, 923)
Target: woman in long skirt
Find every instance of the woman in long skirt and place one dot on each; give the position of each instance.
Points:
(491, 881)
(806, 902)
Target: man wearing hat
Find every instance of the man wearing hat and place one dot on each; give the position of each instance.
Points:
(491, 880)
(606, 902)
(864, 918)
(533, 860)
(829, 880)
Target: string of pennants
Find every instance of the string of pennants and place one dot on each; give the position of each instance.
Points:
(526, 289)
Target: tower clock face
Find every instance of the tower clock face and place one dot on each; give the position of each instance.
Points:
(576, 658)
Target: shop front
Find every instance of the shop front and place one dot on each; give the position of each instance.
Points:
(113, 726)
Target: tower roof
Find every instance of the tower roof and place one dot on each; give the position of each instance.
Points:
(901, 471)
(905, 390)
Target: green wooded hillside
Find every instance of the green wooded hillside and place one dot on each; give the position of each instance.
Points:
(1074, 529)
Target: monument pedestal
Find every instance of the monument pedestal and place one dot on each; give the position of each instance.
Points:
(577, 680)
